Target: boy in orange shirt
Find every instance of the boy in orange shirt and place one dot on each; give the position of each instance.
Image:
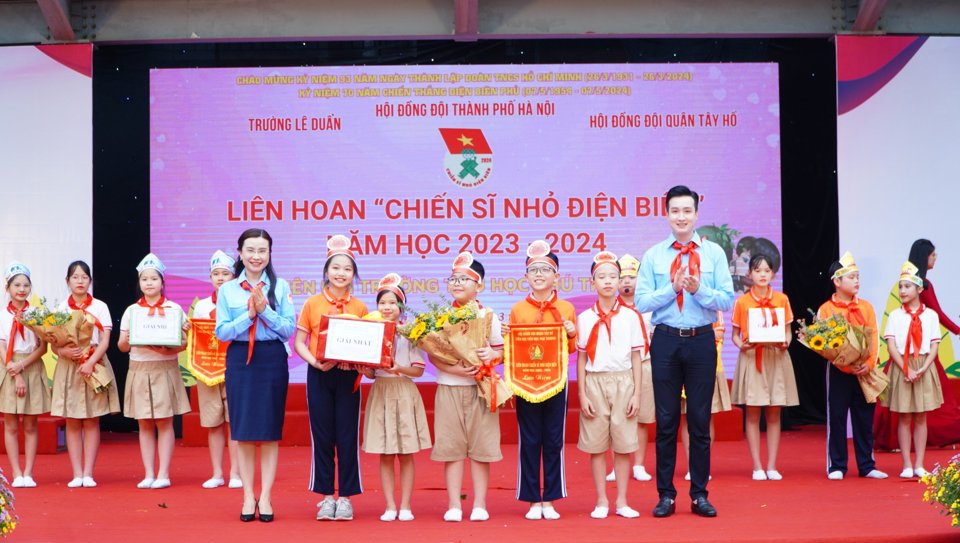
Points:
(843, 389)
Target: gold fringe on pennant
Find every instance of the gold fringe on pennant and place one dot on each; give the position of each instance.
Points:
(547, 394)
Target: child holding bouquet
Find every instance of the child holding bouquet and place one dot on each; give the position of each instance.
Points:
(73, 396)
(212, 400)
(844, 394)
(608, 370)
(333, 389)
(23, 384)
(465, 425)
(395, 424)
(154, 391)
(542, 424)
(764, 376)
(912, 335)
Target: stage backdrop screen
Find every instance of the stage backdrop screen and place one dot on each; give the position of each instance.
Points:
(418, 163)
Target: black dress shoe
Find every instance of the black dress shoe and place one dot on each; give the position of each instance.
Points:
(264, 517)
(249, 518)
(703, 508)
(665, 507)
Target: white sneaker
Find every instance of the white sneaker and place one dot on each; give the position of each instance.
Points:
(405, 515)
(213, 482)
(160, 483)
(17, 482)
(876, 474)
(640, 474)
(599, 512)
(550, 513)
(774, 475)
(535, 512)
(389, 515)
(235, 483)
(919, 472)
(146, 483)
(907, 473)
(835, 475)
(453, 515)
(28, 482)
(479, 514)
(88, 482)
(627, 512)
(612, 476)
(759, 475)
(76, 482)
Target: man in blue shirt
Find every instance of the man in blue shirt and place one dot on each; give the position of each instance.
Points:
(684, 281)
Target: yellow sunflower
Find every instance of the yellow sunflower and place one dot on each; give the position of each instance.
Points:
(462, 312)
(832, 323)
(418, 330)
(836, 342)
(442, 320)
(817, 343)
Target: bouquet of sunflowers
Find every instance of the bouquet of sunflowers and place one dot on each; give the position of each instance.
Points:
(8, 515)
(943, 489)
(64, 328)
(451, 336)
(847, 347)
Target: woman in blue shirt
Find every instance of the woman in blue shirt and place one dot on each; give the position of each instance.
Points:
(255, 314)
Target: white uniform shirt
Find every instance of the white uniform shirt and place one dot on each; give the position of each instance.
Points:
(405, 355)
(496, 342)
(99, 310)
(143, 354)
(25, 345)
(898, 325)
(613, 354)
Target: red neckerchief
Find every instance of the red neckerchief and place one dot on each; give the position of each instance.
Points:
(544, 306)
(16, 327)
(82, 306)
(763, 303)
(914, 335)
(245, 285)
(853, 310)
(693, 264)
(155, 309)
(339, 304)
(213, 298)
(643, 325)
(604, 320)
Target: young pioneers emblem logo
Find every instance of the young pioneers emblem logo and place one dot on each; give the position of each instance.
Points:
(469, 160)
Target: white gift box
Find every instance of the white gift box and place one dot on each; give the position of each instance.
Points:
(760, 327)
(156, 330)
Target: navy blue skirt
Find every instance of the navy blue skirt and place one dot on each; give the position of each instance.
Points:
(257, 392)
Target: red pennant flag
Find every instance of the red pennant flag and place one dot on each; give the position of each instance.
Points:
(458, 139)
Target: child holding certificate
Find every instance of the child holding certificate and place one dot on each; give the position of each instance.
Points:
(73, 397)
(764, 376)
(154, 391)
(464, 425)
(213, 399)
(913, 336)
(23, 384)
(608, 369)
(333, 389)
(542, 423)
(395, 424)
(255, 314)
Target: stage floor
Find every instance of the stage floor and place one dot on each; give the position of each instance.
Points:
(805, 506)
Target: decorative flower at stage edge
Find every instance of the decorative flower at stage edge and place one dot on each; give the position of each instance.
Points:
(943, 488)
(8, 515)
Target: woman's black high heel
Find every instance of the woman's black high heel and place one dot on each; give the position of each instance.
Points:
(249, 518)
(264, 517)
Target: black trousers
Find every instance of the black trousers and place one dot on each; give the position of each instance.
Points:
(541, 433)
(689, 363)
(334, 409)
(844, 395)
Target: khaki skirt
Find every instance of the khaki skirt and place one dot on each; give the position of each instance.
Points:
(37, 399)
(648, 408)
(395, 421)
(73, 399)
(154, 390)
(776, 385)
(916, 397)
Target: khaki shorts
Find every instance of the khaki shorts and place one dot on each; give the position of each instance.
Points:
(464, 427)
(610, 393)
(213, 405)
